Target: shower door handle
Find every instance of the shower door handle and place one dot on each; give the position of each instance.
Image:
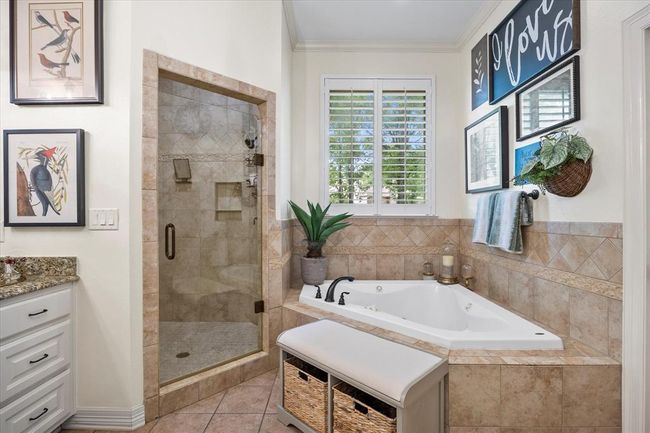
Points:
(170, 230)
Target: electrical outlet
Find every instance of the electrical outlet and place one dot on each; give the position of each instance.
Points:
(103, 219)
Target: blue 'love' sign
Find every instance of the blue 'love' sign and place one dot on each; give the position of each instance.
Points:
(536, 35)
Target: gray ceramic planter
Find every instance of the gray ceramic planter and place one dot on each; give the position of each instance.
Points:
(313, 270)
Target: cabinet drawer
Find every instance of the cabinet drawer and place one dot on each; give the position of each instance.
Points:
(24, 315)
(41, 409)
(30, 359)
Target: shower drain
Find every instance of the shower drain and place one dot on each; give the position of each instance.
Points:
(182, 355)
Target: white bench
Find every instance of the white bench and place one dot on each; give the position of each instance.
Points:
(408, 379)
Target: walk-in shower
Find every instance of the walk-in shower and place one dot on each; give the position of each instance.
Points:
(210, 229)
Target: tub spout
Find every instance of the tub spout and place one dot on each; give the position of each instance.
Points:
(329, 297)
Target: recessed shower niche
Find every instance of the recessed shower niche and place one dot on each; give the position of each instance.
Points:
(210, 236)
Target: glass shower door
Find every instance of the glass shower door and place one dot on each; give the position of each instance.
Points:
(210, 229)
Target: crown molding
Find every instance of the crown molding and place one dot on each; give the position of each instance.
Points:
(378, 47)
(487, 7)
(287, 6)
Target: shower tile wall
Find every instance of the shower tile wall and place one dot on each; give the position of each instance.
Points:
(215, 275)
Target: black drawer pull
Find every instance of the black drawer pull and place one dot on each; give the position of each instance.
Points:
(36, 361)
(41, 414)
(303, 376)
(360, 408)
(39, 313)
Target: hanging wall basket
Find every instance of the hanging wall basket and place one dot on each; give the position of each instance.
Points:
(571, 179)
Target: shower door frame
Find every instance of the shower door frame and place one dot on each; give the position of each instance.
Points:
(159, 401)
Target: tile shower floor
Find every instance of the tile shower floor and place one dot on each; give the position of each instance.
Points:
(208, 344)
(246, 408)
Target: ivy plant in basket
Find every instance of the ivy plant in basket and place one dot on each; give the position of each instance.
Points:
(562, 165)
(317, 227)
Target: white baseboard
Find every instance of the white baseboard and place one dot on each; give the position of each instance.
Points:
(104, 418)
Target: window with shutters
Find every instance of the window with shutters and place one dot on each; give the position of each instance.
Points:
(378, 146)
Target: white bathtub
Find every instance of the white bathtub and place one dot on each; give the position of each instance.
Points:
(449, 316)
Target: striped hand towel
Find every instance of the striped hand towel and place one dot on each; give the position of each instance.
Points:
(500, 218)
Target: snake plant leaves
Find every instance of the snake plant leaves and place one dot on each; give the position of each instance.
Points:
(315, 224)
(553, 154)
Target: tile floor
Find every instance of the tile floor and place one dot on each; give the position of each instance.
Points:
(246, 408)
(208, 344)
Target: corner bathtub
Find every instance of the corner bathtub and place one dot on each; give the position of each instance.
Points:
(450, 316)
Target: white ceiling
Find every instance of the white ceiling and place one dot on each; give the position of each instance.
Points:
(431, 25)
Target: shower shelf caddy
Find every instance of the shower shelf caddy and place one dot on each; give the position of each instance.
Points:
(410, 380)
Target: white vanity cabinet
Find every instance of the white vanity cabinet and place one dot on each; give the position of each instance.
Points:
(36, 359)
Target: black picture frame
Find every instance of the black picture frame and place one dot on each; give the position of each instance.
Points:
(479, 58)
(520, 9)
(98, 23)
(80, 177)
(502, 181)
(573, 63)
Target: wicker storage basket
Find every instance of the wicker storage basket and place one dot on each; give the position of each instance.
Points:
(358, 412)
(305, 393)
(571, 180)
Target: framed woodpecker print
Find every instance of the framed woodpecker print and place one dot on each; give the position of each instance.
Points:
(56, 52)
(43, 177)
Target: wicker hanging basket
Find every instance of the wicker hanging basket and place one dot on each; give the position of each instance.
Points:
(571, 179)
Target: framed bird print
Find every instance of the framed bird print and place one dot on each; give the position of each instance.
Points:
(56, 52)
(43, 177)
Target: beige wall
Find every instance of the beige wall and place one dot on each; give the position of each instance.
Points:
(108, 317)
(239, 39)
(601, 111)
(308, 68)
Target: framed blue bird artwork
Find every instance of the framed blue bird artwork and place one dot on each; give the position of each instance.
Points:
(44, 177)
(56, 52)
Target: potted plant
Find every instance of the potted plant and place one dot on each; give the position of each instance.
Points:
(317, 229)
(561, 166)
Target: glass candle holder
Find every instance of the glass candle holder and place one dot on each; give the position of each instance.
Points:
(447, 267)
(427, 271)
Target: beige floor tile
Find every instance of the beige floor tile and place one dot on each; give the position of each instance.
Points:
(245, 399)
(234, 423)
(266, 379)
(276, 398)
(207, 405)
(270, 424)
(182, 423)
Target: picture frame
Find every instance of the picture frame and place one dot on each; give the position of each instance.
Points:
(44, 177)
(515, 45)
(523, 154)
(56, 52)
(537, 103)
(486, 152)
(479, 72)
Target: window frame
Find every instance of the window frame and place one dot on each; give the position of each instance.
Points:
(378, 84)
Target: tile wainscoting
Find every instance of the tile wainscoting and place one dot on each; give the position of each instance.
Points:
(568, 279)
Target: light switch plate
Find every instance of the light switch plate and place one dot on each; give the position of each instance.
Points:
(103, 219)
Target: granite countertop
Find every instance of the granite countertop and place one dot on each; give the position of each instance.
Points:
(34, 283)
(40, 273)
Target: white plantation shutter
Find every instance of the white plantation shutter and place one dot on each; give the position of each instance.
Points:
(378, 147)
(351, 146)
(404, 146)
